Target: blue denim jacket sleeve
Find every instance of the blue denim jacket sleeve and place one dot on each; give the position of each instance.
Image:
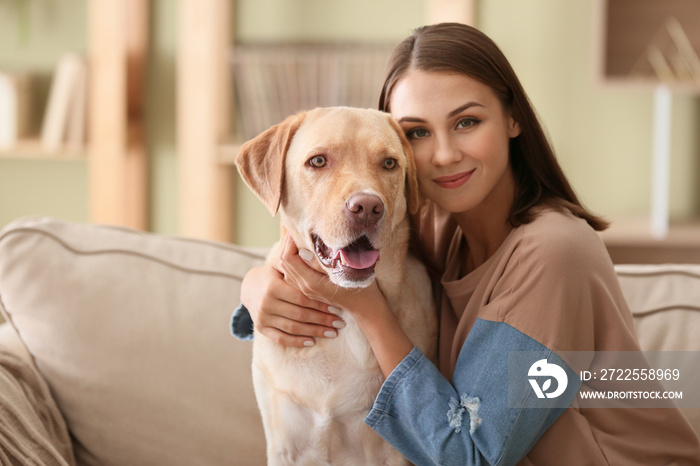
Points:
(489, 413)
(242, 324)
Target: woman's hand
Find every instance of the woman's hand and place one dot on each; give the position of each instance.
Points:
(367, 305)
(283, 313)
(301, 271)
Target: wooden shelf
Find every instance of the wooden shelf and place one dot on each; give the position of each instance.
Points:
(32, 149)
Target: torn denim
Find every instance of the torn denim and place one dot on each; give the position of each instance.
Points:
(458, 408)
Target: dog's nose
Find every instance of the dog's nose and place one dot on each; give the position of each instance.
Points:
(364, 208)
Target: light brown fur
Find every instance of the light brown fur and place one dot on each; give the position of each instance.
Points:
(313, 400)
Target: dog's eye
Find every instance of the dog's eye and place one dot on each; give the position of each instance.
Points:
(389, 164)
(318, 161)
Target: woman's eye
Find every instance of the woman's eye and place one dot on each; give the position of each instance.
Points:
(417, 133)
(390, 164)
(318, 161)
(467, 122)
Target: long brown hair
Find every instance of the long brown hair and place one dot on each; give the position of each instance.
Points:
(458, 48)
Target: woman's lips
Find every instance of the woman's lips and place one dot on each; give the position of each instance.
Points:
(454, 181)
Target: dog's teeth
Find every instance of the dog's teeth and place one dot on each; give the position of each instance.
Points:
(342, 260)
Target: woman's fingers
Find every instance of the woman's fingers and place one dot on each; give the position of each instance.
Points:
(301, 328)
(290, 249)
(283, 313)
(299, 301)
(294, 319)
(284, 339)
(300, 275)
(291, 325)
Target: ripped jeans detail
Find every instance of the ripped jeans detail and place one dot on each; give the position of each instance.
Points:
(469, 404)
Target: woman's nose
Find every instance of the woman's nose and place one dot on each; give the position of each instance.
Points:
(446, 151)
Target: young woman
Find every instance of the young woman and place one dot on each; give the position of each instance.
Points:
(518, 266)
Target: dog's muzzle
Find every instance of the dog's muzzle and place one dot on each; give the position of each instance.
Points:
(354, 262)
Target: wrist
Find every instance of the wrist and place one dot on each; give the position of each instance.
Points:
(388, 341)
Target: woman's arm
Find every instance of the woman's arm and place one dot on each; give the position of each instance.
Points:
(284, 314)
(367, 305)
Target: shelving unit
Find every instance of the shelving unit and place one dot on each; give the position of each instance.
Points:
(652, 45)
(118, 43)
(32, 149)
(115, 154)
(204, 107)
(205, 147)
(642, 44)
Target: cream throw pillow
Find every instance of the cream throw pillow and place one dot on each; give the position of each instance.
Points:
(131, 332)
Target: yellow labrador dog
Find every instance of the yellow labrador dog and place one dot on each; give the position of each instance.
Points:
(343, 181)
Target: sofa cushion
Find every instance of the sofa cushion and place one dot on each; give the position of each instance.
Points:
(131, 332)
(665, 304)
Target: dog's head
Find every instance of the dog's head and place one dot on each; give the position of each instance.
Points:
(343, 180)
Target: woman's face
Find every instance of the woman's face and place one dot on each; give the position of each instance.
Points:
(459, 133)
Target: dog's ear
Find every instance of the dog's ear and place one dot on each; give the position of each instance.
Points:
(260, 161)
(412, 193)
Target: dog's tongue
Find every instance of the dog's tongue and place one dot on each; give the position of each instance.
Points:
(359, 255)
(359, 258)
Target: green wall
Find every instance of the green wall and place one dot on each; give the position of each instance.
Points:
(33, 40)
(602, 134)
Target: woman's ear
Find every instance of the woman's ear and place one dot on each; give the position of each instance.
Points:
(412, 192)
(513, 128)
(260, 161)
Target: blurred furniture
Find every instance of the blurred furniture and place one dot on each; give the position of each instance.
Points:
(126, 336)
(117, 44)
(653, 45)
(205, 109)
(643, 44)
(632, 243)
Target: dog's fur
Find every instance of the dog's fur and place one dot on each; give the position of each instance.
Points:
(313, 400)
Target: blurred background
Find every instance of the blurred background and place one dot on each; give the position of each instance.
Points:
(172, 87)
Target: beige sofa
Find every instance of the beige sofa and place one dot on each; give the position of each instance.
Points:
(117, 351)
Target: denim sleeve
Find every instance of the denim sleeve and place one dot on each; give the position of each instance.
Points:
(242, 324)
(489, 414)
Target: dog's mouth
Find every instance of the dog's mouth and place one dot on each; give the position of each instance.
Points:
(356, 260)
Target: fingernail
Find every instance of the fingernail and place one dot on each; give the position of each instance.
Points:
(330, 334)
(309, 343)
(334, 310)
(338, 324)
(306, 254)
